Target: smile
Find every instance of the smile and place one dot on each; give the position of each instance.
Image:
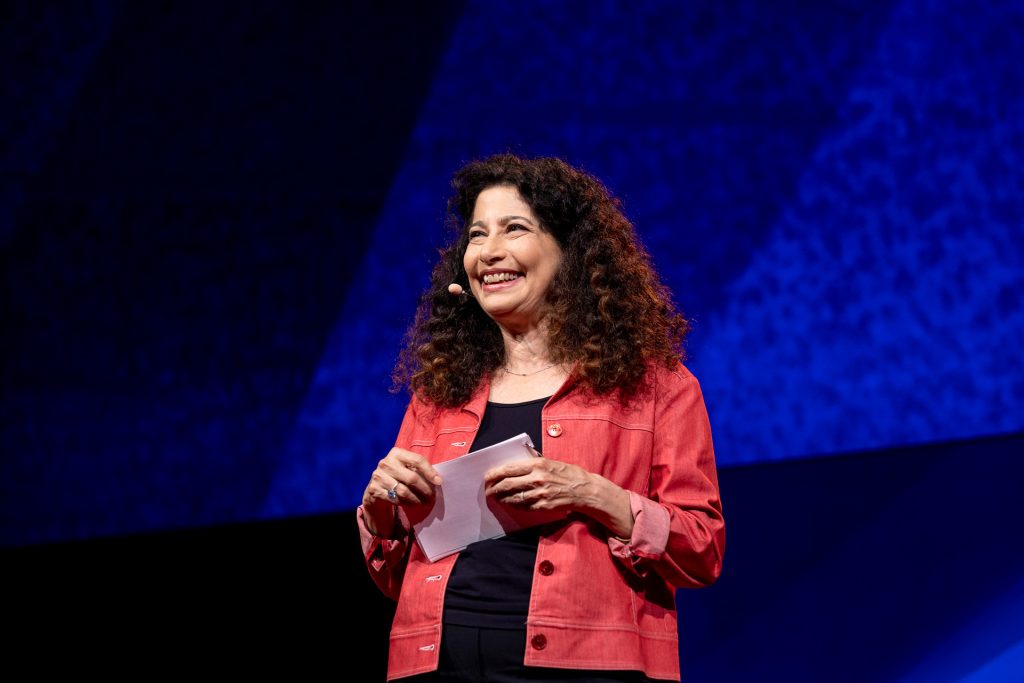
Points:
(495, 278)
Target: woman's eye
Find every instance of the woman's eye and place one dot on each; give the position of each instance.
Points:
(515, 226)
(476, 235)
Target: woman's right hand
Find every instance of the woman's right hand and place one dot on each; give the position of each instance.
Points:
(411, 478)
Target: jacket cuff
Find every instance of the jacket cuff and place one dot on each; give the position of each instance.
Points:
(650, 533)
(379, 551)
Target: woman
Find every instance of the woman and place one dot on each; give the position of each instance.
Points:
(556, 326)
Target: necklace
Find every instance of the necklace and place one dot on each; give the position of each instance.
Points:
(527, 374)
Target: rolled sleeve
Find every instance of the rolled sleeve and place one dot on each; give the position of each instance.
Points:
(385, 557)
(678, 531)
(651, 524)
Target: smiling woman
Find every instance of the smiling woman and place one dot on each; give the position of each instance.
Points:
(510, 260)
(570, 337)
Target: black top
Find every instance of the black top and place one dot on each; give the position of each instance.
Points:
(491, 581)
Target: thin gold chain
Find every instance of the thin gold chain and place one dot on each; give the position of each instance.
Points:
(527, 374)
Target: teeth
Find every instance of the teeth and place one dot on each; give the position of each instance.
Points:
(492, 278)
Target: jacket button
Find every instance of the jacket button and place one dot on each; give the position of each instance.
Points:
(555, 430)
(539, 642)
(546, 568)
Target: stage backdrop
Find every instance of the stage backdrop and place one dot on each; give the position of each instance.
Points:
(215, 222)
(215, 225)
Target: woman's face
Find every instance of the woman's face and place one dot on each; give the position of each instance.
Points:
(511, 260)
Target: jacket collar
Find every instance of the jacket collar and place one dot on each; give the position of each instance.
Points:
(477, 403)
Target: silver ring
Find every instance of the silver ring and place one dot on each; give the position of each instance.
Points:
(522, 497)
(393, 494)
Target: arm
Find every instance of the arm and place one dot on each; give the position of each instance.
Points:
(385, 557)
(676, 526)
(384, 530)
(678, 529)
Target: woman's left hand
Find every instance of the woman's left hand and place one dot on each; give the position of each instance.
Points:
(544, 484)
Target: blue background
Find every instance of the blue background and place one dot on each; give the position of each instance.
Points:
(215, 224)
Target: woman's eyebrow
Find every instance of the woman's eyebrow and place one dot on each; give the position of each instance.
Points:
(504, 220)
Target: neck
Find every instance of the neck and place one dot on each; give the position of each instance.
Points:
(527, 350)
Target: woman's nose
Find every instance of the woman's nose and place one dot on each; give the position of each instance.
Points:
(493, 249)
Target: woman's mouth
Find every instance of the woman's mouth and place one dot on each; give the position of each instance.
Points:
(493, 281)
(493, 278)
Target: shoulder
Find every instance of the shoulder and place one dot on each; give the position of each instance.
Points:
(675, 391)
(423, 410)
(674, 378)
(661, 384)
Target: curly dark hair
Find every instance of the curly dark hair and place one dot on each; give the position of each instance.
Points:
(611, 330)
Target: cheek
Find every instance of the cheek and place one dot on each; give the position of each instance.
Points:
(554, 265)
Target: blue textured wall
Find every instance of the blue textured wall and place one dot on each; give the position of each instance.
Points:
(215, 227)
(834, 194)
(192, 189)
(215, 223)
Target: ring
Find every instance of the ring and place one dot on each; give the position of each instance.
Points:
(522, 497)
(393, 494)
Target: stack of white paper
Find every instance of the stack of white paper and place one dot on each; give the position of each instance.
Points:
(462, 514)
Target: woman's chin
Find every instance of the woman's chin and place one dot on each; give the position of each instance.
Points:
(515, 321)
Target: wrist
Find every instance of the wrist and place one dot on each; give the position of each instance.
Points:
(609, 504)
(380, 522)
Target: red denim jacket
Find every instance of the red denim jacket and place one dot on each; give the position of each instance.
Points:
(597, 602)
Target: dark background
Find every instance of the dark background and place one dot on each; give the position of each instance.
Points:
(215, 221)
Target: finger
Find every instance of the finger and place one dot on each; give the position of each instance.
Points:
(411, 478)
(508, 486)
(499, 485)
(503, 491)
(402, 494)
(512, 469)
(519, 499)
(385, 483)
(417, 463)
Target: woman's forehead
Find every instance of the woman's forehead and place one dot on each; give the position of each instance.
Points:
(501, 205)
